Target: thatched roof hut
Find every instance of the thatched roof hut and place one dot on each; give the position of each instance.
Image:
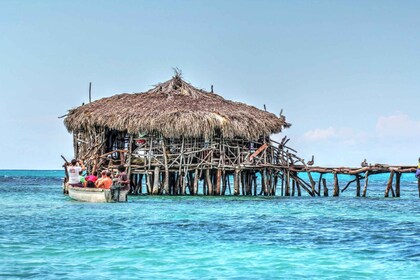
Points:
(173, 109)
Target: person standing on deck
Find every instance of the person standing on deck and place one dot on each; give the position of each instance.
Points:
(418, 170)
(73, 170)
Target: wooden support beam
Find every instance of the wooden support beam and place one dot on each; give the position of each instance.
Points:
(218, 178)
(165, 161)
(389, 184)
(236, 182)
(156, 180)
(208, 182)
(366, 183)
(336, 186)
(357, 185)
(324, 183)
(195, 184)
(397, 184)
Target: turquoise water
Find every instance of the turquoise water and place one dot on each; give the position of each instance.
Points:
(45, 235)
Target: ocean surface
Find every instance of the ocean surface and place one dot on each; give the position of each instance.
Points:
(46, 235)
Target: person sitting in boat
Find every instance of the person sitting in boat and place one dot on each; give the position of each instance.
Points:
(103, 176)
(105, 183)
(82, 179)
(91, 179)
(73, 169)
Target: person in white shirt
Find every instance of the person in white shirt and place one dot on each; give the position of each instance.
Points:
(73, 170)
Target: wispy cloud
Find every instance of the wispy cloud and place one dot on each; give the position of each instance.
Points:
(397, 126)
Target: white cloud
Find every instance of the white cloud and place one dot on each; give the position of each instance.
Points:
(320, 134)
(397, 126)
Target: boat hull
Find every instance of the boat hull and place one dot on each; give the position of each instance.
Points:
(94, 195)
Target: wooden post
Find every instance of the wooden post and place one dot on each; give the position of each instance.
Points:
(319, 184)
(336, 186)
(156, 182)
(264, 181)
(218, 177)
(236, 182)
(282, 185)
(357, 185)
(148, 183)
(130, 149)
(287, 181)
(254, 179)
(389, 184)
(298, 188)
(293, 187)
(209, 183)
(224, 183)
(366, 183)
(165, 161)
(397, 184)
(195, 184)
(324, 183)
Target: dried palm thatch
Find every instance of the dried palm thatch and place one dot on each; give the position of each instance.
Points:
(173, 109)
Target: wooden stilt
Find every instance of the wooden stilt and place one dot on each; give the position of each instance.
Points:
(218, 178)
(195, 184)
(293, 187)
(389, 184)
(319, 183)
(209, 183)
(224, 185)
(236, 182)
(148, 183)
(282, 185)
(165, 161)
(336, 186)
(156, 181)
(357, 185)
(298, 188)
(366, 183)
(324, 183)
(287, 183)
(397, 184)
(254, 179)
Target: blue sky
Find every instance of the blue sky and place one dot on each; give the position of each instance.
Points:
(346, 73)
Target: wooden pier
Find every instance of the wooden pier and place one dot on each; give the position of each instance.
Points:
(359, 174)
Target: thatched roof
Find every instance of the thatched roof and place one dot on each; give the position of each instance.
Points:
(175, 108)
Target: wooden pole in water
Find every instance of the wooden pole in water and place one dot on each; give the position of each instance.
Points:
(236, 182)
(156, 180)
(218, 178)
(208, 182)
(357, 185)
(397, 184)
(287, 181)
(298, 188)
(389, 184)
(324, 183)
(366, 183)
(319, 184)
(336, 186)
(195, 184)
(165, 161)
(293, 187)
